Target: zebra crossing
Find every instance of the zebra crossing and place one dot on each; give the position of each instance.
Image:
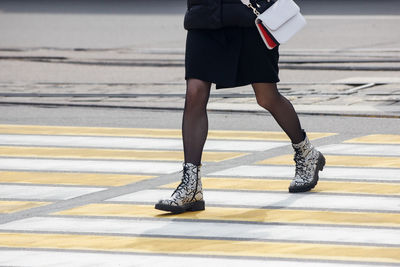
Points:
(351, 217)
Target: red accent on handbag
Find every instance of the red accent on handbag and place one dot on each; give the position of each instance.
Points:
(266, 36)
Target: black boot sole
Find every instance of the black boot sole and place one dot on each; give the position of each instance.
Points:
(320, 167)
(194, 206)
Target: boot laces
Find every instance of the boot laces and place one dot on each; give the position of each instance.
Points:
(185, 180)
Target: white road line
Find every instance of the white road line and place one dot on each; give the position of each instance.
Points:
(275, 200)
(358, 149)
(44, 192)
(366, 174)
(110, 166)
(33, 258)
(208, 230)
(132, 143)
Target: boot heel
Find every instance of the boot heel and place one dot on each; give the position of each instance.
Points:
(321, 162)
(196, 206)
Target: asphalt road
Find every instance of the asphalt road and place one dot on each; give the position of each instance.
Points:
(136, 118)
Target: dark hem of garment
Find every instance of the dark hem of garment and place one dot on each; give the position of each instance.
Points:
(220, 86)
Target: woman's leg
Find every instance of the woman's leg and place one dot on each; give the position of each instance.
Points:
(195, 120)
(188, 196)
(309, 161)
(281, 109)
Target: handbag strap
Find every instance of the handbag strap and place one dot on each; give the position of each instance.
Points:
(249, 5)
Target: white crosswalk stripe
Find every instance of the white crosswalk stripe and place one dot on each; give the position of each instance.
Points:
(381, 174)
(96, 166)
(32, 258)
(278, 200)
(359, 149)
(44, 192)
(209, 230)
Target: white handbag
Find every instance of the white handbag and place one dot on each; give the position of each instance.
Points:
(278, 23)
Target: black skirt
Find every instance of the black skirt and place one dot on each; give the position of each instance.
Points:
(230, 57)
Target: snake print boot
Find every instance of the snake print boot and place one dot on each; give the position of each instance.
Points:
(188, 196)
(309, 162)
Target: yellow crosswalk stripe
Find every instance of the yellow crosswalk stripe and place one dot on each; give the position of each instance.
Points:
(94, 179)
(189, 246)
(120, 154)
(222, 183)
(342, 161)
(377, 139)
(241, 214)
(142, 132)
(14, 206)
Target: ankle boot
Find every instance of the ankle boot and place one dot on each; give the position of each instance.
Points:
(188, 196)
(309, 162)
